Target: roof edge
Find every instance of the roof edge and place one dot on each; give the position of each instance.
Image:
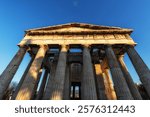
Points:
(76, 24)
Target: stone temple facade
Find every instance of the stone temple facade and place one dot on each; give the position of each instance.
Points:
(79, 61)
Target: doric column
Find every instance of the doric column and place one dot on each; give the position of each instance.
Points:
(121, 87)
(59, 79)
(42, 87)
(29, 85)
(110, 92)
(37, 82)
(133, 89)
(109, 88)
(67, 84)
(100, 82)
(22, 79)
(141, 68)
(88, 88)
(10, 71)
(50, 81)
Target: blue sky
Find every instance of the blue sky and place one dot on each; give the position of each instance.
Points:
(19, 15)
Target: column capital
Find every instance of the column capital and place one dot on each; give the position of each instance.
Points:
(64, 48)
(44, 46)
(86, 45)
(120, 56)
(24, 48)
(130, 46)
(109, 45)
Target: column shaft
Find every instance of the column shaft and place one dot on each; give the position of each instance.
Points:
(10, 71)
(29, 85)
(141, 68)
(67, 85)
(22, 79)
(88, 88)
(111, 95)
(100, 83)
(50, 81)
(57, 88)
(121, 88)
(133, 89)
(34, 94)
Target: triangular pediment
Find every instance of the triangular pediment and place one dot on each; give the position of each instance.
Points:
(77, 33)
(76, 27)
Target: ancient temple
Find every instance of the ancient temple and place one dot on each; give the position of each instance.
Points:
(79, 61)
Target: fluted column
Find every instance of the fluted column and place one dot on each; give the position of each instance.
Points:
(22, 79)
(36, 84)
(141, 68)
(111, 95)
(59, 79)
(29, 85)
(50, 82)
(42, 87)
(100, 83)
(133, 89)
(10, 70)
(88, 88)
(121, 87)
(109, 88)
(67, 85)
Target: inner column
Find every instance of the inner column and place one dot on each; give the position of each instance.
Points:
(111, 95)
(50, 82)
(100, 82)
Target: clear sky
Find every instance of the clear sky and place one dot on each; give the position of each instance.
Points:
(19, 15)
